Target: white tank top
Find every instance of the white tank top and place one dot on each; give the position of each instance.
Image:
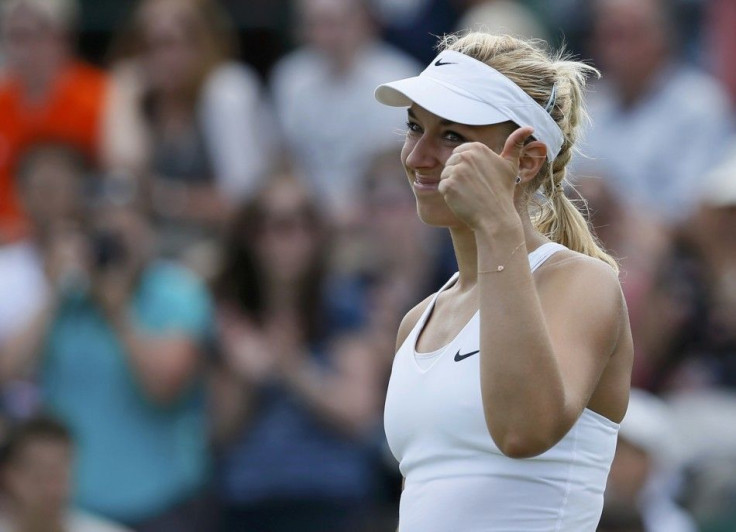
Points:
(457, 480)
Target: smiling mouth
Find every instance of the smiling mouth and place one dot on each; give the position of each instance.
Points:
(425, 183)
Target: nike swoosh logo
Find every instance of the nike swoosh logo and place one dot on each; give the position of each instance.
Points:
(459, 357)
(440, 63)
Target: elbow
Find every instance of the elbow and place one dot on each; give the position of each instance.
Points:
(518, 446)
(525, 442)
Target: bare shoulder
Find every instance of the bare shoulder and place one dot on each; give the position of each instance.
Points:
(410, 320)
(584, 290)
(575, 273)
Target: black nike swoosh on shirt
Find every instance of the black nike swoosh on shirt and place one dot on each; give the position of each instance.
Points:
(459, 357)
(440, 63)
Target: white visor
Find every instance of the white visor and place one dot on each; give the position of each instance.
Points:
(461, 89)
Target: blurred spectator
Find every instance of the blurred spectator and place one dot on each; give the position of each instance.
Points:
(645, 469)
(50, 180)
(298, 392)
(46, 94)
(117, 344)
(413, 25)
(657, 124)
(618, 517)
(323, 99)
(720, 38)
(503, 16)
(36, 477)
(641, 244)
(708, 417)
(396, 275)
(205, 134)
(702, 349)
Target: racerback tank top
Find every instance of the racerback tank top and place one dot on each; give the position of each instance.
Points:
(456, 479)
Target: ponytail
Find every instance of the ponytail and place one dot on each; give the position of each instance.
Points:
(561, 221)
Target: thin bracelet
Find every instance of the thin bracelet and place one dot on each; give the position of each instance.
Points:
(501, 266)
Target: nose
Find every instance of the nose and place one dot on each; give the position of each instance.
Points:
(421, 153)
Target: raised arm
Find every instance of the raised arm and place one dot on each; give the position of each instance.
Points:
(544, 344)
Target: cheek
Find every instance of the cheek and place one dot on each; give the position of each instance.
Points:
(406, 149)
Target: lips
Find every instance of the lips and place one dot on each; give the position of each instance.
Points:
(426, 182)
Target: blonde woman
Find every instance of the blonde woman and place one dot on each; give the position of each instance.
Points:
(509, 383)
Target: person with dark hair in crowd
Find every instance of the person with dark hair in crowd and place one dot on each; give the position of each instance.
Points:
(694, 304)
(200, 117)
(117, 344)
(36, 464)
(46, 94)
(297, 391)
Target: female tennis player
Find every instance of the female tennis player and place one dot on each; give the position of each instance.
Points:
(509, 383)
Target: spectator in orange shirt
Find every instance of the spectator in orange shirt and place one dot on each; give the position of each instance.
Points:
(46, 94)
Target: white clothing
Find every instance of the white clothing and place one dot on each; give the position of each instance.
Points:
(23, 286)
(661, 514)
(425, 360)
(237, 126)
(330, 121)
(655, 154)
(77, 522)
(456, 478)
(80, 522)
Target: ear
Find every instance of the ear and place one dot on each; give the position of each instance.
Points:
(533, 156)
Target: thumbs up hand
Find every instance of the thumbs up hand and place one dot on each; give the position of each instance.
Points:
(478, 184)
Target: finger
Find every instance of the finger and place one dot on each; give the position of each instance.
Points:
(515, 143)
(445, 174)
(453, 159)
(468, 146)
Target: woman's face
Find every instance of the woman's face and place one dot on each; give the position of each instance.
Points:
(288, 240)
(173, 55)
(32, 45)
(429, 142)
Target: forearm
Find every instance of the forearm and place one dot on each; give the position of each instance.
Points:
(343, 406)
(521, 380)
(230, 404)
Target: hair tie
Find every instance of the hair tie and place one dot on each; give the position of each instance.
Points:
(552, 98)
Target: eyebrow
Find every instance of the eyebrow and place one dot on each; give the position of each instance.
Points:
(443, 122)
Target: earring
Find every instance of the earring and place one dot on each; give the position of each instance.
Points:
(518, 179)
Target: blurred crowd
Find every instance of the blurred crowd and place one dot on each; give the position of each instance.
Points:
(207, 244)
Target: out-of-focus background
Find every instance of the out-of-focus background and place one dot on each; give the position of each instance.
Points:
(207, 243)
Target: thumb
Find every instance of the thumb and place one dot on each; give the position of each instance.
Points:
(514, 144)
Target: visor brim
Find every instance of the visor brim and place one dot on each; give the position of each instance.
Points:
(439, 100)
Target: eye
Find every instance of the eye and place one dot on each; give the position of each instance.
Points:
(454, 137)
(413, 127)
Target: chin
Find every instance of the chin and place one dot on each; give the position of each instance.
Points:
(437, 216)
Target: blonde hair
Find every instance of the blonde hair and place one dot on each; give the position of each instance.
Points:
(539, 71)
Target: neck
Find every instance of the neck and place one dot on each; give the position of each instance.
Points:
(466, 250)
